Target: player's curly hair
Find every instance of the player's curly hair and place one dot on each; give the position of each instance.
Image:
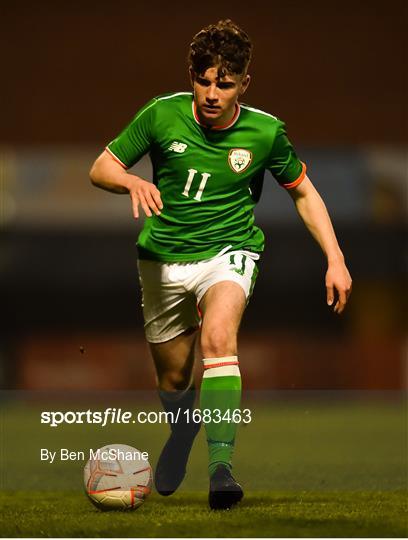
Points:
(224, 45)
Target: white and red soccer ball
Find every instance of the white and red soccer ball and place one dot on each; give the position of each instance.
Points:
(117, 477)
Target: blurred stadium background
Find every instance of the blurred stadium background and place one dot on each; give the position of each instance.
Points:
(75, 74)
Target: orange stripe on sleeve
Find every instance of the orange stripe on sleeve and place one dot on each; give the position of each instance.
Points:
(112, 155)
(298, 180)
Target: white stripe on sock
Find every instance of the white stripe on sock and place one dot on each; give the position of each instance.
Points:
(223, 371)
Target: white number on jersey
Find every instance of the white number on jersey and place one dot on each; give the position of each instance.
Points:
(204, 177)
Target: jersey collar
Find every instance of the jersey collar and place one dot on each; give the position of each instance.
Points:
(218, 128)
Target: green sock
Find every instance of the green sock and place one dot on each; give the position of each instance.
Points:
(220, 396)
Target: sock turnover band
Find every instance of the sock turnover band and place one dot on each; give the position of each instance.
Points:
(221, 367)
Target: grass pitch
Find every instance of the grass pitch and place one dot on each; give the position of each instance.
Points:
(310, 465)
(356, 514)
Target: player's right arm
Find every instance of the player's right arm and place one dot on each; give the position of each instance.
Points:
(106, 173)
(110, 170)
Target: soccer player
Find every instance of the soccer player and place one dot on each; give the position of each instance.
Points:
(199, 246)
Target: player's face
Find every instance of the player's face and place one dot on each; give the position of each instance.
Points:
(215, 97)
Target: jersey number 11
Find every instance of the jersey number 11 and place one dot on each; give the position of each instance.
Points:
(204, 177)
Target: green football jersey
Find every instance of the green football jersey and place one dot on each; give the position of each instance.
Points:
(207, 177)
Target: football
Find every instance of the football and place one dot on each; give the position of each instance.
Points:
(117, 477)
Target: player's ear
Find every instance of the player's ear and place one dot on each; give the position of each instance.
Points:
(245, 83)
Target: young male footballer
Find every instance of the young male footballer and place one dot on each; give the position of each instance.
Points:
(199, 246)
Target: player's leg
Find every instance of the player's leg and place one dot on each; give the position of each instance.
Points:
(171, 322)
(174, 362)
(222, 308)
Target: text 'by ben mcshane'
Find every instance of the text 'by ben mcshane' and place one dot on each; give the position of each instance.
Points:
(111, 454)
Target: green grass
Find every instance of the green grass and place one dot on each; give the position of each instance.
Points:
(356, 514)
(311, 466)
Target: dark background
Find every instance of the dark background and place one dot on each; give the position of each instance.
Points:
(74, 74)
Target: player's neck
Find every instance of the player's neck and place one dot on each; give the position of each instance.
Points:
(223, 122)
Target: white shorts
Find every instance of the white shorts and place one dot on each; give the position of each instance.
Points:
(171, 292)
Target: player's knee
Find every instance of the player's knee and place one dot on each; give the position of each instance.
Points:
(217, 342)
(171, 381)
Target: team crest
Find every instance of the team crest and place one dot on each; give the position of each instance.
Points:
(239, 159)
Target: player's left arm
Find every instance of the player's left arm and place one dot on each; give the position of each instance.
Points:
(313, 211)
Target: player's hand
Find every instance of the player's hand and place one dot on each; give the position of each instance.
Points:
(146, 195)
(338, 286)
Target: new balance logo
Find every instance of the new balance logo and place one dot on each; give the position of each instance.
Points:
(178, 147)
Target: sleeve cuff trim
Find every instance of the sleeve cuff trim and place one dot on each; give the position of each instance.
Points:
(115, 158)
(298, 180)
